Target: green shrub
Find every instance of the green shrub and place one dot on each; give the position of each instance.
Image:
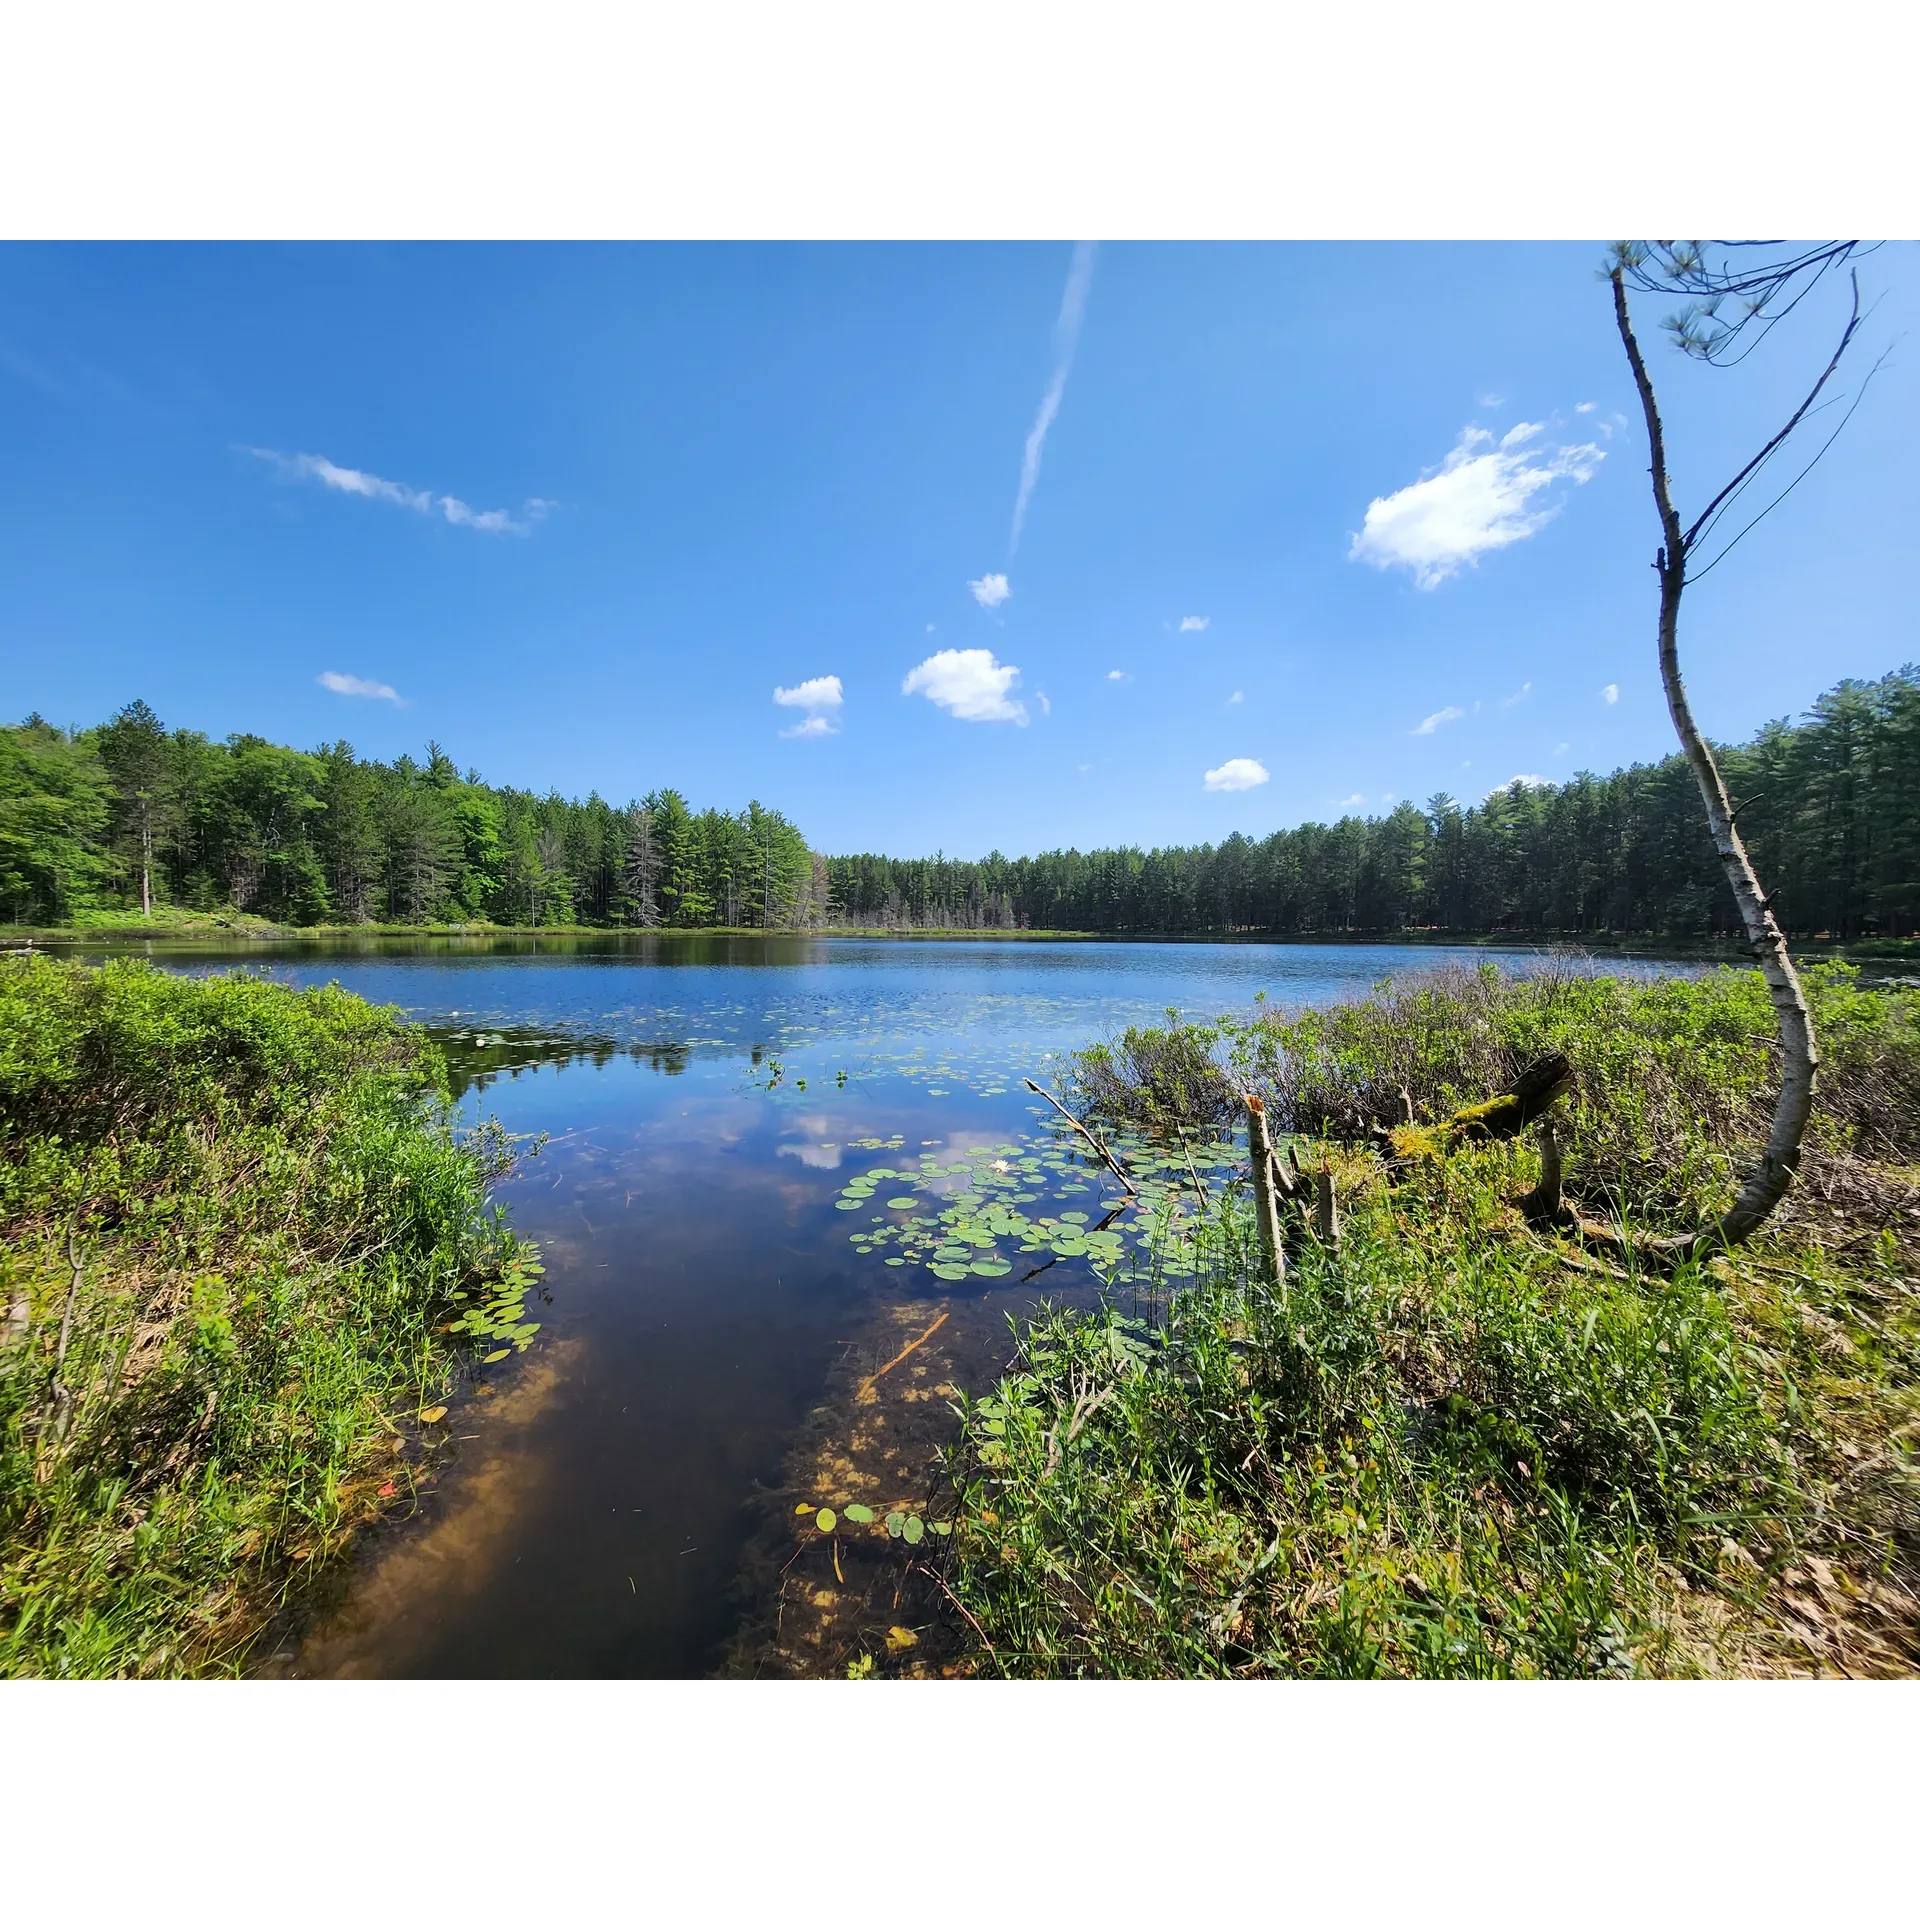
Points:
(249, 1210)
(1449, 1446)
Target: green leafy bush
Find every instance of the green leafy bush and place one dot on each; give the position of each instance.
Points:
(1449, 1446)
(235, 1221)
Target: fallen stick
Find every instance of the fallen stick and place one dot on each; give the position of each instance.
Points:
(908, 1348)
(964, 1608)
(1119, 1172)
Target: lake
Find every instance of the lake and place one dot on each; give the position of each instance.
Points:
(748, 1144)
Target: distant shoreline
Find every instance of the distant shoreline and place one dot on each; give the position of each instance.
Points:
(237, 928)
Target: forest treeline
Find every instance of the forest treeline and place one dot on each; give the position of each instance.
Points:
(133, 814)
(1830, 809)
(108, 817)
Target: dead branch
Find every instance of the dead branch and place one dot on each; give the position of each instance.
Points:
(1506, 1115)
(908, 1348)
(1119, 1172)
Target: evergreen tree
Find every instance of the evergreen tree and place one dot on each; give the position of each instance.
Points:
(133, 746)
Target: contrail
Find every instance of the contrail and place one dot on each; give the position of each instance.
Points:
(1066, 337)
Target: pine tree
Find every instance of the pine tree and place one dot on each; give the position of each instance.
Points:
(133, 747)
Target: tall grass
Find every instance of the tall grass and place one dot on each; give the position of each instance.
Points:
(233, 1220)
(1446, 1447)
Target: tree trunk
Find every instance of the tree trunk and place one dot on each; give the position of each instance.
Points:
(1799, 1056)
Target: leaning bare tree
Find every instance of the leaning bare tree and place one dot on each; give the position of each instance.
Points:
(1734, 294)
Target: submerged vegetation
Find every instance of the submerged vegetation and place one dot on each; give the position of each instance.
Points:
(1443, 1440)
(244, 1254)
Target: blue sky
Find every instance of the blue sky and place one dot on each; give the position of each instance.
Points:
(584, 510)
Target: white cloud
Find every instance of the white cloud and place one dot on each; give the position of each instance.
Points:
(351, 683)
(1434, 721)
(1514, 699)
(1584, 406)
(1610, 694)
(370, 486)
(1352, 800)
(819, 699)
(1236, 698)
(1066, 338)
(1522, 781)
(1491, 400)
(1476, 501)
(1235, 776)
(1565, 746)
(1046, 705)
(1196, 623)
(991, 591)
(1116, 674)
(970, 683)
(814, 695)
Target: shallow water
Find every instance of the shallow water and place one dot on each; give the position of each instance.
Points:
(600, 1498)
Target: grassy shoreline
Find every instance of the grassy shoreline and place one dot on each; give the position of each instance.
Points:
(246, 1257)
(1446, 1446)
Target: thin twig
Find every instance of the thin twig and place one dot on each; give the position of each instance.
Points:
(964, 1608)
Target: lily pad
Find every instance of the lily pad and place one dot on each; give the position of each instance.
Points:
(860, 1516)
(904, 1200)
(990, 1269)
(900, 1638)
(499, 1353)
(825, 1520)
(896, 1523)
(913, 1530)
